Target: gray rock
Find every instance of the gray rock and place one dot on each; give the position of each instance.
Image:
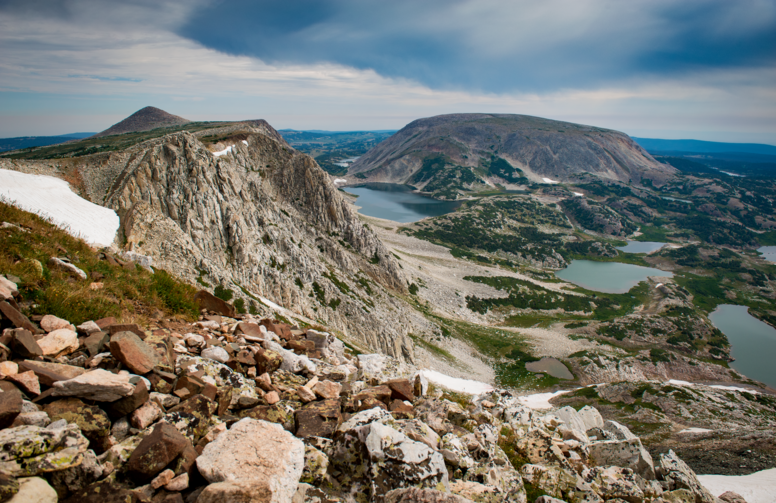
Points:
(255, 453)
(49, 323)
(571, 417)
(618, 431)
(625, 453)
(243, 390)
(65, 265)
(591, 417)
(415, 495)
(37, 418)
(215, 353)
(89, 328)
(75, 478)
(675, 474)
(59, 342)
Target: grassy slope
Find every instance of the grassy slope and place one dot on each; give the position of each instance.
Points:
(129, 293)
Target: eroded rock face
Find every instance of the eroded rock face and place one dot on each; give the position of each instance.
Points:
(678, 475)
(255, 454)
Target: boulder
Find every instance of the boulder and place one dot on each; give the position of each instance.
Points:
(11, 403)
(93, 421)
(267, 361)
(16, 318)
(316, 465)
(88, 328)
(626, 453)
(418, 431)
(618, 431)
(24, 344)
(8, 486)
(59, 342)
(275, 413)
(401, 389)
(232, 492)
(128, 404)
(9, 368)
(215, 353)
(329, 346)
(76, 478)
(31, 450)
(208, 301)
(49, 323)
(96, 342)
(193, 417)
(571, 417)
(146, 415)
(130, 350)
(615, 482)
(327, 389)
(319, 419)
(675, 474)
(731, 497)
(48, 373)
(98, 385)
(243, 390)
(255, 453)
(27, 381)
(34, 490)
(591, 417)
(156, 451)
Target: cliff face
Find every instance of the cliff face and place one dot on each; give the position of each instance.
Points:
(536, 147)
(262, 220)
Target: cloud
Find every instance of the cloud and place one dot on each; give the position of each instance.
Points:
(496, 46)
(335, 65)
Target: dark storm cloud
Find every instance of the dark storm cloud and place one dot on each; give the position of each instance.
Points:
(497, 46)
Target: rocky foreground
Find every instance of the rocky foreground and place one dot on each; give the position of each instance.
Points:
(248, 410)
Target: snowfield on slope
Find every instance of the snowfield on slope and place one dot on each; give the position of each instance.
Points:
(758, 487)
(53, 199)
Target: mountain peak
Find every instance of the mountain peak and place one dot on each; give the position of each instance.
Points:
(145, 119)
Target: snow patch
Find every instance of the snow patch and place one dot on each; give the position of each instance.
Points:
(658, 285)
(457, 384)
(695, 430)
(578, 194)
(339, 180)
(715, 386)
(224, 151)
(52, 198)
(540, 401)
(758, 487)
(547, 180)
(245, 142)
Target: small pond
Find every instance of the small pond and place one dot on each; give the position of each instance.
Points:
(675, 199)
(550, 366)
(398, 202)
(769, 253)
(753, 342)
(641, 246)
(608, 277)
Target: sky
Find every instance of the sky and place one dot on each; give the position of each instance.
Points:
(701, 69)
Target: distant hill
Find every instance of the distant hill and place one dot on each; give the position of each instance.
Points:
(703, 147)
(21, 142)
(452, 155)
(145, 119)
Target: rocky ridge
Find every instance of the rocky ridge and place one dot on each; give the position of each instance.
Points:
(259, 220)
(253, 410)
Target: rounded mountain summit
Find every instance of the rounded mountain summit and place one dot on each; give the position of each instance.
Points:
(450, 155)
(145, 119)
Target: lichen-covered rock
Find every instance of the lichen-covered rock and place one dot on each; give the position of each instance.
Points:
(418, 431)
(78, 477)
(255, 453)
(397, 461)
(318, 419)
(216, 373)
(537, 446)
(316, 464)
(615, 482)
(279, 413)
(31, 450)
(8, 486)
(194, 417)
(417, 495)
(93, 421)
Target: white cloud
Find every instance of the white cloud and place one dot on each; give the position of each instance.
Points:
(135, 57)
